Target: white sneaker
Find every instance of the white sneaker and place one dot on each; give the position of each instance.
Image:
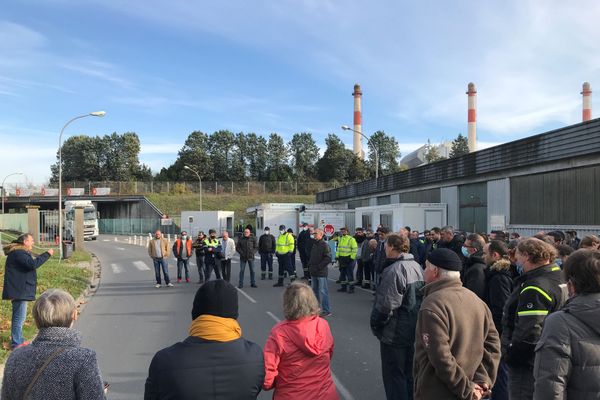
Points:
(170, 284)
(157, 285)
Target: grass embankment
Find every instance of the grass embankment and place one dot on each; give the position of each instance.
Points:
(70, 275)
(173, 204)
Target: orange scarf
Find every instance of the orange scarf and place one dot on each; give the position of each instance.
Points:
(210, 327)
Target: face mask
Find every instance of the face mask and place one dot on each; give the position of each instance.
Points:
(183, 237)
(304, 228)
(520, 269)
(465, 252)
(267, 231)
(558, 262)
(312, 236)
(282, 232)
(213, 236)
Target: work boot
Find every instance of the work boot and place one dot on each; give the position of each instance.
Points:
(270, 276)
(351, 289)
(262, 276)
(279, 283)
(343, 289)
(366, 286)
(292, 278)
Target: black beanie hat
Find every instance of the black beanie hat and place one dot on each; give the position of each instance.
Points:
(218, 298)
(445, 259)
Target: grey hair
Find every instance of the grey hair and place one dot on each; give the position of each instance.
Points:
(54, 308)
(448, 228)
(447, 274)
(299, 301)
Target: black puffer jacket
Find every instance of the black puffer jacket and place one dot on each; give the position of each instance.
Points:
(567, 356)
(205, 369)
(20, 275)
(320, 257)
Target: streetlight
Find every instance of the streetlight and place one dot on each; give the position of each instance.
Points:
(347, 128)
(199, 180)
(92, 114)
(15, 173)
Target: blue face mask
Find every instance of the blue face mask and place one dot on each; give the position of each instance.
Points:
(520, 270)
(465, 252)
(558, 262)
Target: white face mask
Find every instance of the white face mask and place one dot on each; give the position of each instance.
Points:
(282, 232)
(305, 228)
(312, 236)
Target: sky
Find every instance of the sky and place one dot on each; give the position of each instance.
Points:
(164, 69)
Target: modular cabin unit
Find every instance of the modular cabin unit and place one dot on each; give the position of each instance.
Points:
(419, 216)
(195, 221)
(292, 215)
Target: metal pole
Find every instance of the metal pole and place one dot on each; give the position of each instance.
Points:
(94, 114)
(199, 182)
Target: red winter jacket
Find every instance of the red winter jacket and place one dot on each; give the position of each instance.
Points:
(297, 358)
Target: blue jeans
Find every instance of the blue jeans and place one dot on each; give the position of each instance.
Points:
(19, 312)
(250, 263)
(182, 263)
(158, 263)
(319, 286)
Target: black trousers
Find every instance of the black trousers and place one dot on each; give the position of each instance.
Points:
(210, 264)
(226, 269)
(396, 368)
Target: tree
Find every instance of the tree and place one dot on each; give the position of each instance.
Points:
(304, 155)
(460, 146)
(257, 157)
(335, 161)
(195, 154)
(358, 170)
(221, 151)
(238, 168)
(108, 158)
(278, 168)
(389, 153)
(432, 154)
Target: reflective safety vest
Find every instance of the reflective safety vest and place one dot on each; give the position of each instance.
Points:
(347, 247)
(285, 243)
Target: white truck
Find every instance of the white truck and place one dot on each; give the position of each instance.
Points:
(90, 219)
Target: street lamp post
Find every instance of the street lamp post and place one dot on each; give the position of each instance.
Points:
(92, 114)
(3, 190)
(347, 128)
(199, 180)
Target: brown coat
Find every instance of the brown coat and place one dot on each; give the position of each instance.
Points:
(456, 343)
(164, 247)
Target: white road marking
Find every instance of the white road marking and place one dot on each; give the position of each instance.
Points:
(141, 266)
(120, 248)
(345, 393)
(246, 295)
(116, 268)
(270, 314)
(105, 240)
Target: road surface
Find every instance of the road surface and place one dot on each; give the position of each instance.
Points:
(128, 320)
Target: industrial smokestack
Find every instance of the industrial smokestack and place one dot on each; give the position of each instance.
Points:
(472, 117)
(587, 101)
(357, 122)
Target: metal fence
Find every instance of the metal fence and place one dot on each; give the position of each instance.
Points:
(209, 187)
(14, 222)
(48, 226)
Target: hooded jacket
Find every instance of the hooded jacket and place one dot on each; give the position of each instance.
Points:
(297, 360)
(499, 286)
(20, 275)
(567, 356)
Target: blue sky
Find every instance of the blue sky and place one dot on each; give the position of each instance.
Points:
(166, 68)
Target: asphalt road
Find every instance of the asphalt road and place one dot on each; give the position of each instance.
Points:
(128, 320)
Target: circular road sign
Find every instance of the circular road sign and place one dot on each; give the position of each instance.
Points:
(328, 229)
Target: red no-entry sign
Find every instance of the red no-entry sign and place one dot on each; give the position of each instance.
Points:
(328, 229)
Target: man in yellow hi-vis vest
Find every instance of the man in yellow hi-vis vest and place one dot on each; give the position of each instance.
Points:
(346, 255)
(284, 249)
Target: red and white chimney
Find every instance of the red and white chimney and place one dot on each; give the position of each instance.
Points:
(357, 148)
(587, 101)
(472, 117)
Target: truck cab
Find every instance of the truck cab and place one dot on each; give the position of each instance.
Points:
(90, 219)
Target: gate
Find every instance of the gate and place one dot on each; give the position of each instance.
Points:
(49, 226)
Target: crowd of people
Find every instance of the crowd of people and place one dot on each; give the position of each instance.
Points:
(458, 316)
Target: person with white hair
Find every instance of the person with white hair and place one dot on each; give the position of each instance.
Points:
(457, 348)
(54, 365)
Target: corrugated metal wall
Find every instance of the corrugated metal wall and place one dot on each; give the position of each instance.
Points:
(449, 195)
(568, 197)
(498, 204)
(472, 215)
(421, 196)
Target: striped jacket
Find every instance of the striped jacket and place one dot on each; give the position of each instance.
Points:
(537, 293)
